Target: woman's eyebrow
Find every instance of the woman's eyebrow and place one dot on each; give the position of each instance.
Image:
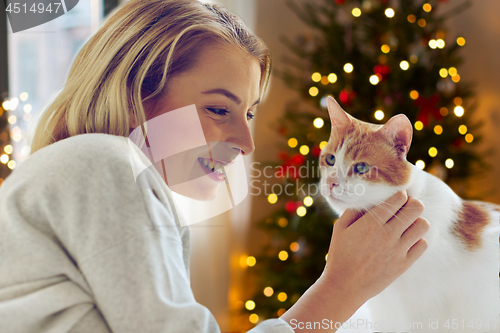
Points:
(228, 94)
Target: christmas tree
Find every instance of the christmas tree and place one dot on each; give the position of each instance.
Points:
(378, 60)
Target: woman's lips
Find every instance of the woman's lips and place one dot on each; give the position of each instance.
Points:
(216, 173)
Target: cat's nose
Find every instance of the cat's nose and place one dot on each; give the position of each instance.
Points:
(331, 184)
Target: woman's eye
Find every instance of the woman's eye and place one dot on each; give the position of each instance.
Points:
(250, 116)
(330, 159)
(361, 168)
(219, 112)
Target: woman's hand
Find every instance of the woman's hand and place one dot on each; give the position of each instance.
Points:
(367, 253)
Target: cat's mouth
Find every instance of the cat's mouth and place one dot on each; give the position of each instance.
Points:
(341, 197)
(341, 194)
(337, 199)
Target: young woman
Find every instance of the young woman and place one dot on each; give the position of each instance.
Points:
(85, 249)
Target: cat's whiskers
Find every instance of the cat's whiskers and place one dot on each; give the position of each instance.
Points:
(322, 203)
(397, 217)
(375, 216)
(385, 225)
(383, 206)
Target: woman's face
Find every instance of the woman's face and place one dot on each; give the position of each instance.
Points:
(224, 85)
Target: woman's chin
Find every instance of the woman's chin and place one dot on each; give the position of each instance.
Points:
(201, 189)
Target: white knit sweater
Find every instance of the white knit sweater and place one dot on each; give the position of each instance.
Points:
(83, 248)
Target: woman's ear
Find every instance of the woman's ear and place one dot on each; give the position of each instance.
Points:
(132, 123)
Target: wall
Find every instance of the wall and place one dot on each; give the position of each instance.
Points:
(480, 26)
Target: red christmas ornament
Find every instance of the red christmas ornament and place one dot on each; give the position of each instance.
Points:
(297, 159)
(339, 2)
(382, 71)
(290, 207)
(386, 69)
(346, 96)
(316, 151)
(428, 109)
(289, 168)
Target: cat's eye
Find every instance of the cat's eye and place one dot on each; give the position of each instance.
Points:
(361, 168)
(330, 159)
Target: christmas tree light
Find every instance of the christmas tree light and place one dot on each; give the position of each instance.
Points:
(332, 78)
(420, 164)
(389, 12)
(348, 68)
(449, 163)
(356, 12)
(459, 111)
(268, 291)
(318, 122)
(294, 247)
(282, 297)
(292, 142)
(250, 305)
(283, 255)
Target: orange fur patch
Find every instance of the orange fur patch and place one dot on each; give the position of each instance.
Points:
(365, 144)
(472, 218)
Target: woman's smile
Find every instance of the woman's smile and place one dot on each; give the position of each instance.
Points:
(212, 169)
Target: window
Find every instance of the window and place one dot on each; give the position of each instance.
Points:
(39, 62)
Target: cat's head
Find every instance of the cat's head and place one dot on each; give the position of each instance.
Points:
(363, 164)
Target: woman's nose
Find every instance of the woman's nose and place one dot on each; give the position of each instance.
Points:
(242, 136)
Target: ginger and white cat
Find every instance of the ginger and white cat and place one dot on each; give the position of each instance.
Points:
(454, 285)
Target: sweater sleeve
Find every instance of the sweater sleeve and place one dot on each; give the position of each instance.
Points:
(126, 243)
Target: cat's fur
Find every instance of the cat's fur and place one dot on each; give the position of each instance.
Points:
(457, 278)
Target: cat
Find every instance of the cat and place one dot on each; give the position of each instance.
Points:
(454, 285)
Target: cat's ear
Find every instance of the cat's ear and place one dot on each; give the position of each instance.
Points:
(339, 118)
(399, 131)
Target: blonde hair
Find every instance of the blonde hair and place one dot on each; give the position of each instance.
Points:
(131, 55)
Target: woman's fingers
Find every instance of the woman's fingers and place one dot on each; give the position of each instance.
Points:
(416, 251)
(348, 218)
(385, 211)
(415, 232)
(411, 210)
